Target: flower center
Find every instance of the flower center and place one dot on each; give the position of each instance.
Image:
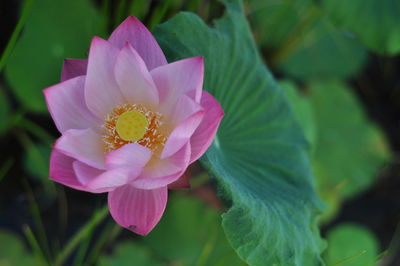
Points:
(131, 126)
(129, 123)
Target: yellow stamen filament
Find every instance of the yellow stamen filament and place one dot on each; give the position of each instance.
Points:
(130, 123)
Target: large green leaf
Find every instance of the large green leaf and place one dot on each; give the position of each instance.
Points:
(324, 52)
(36, 160)
(351, 245)
(36, 163)
(54, 30)
(349, 149)
(302, 109)
(130, 253)
(375, 22)
(259, 156)
(302, 42)
(197, 235)
(275, 21)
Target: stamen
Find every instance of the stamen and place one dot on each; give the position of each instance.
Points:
(119, 128)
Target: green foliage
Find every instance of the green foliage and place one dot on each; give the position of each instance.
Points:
(324, 52)
(304, 42)
(84, 232)
(197, 235)
(375, 22)
(13, 253)
(54, 30)
(132, 253)
(259, 156)
(274, 21)
(302, 109)
(37, 159)
(349, 149)
(26, 7)
(139, 9)
(351, 245)
(36, 163)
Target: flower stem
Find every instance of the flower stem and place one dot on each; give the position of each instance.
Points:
(37, 251)
(14, 37)
(96, 219)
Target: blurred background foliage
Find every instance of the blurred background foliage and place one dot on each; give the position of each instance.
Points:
(338, 62)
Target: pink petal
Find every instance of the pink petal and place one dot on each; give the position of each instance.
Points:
(205, 133)
(112, 179)
(189, 115)
(67, 107)
(102, 93)
(183, 109)
(82, 144)
(182, 182)
(134, 79)
(134, 32)
(98, 181)
(137, 209)
(73, 68)
(85, 173)
(61, 170)
(178, 78)
(132, 154)
(164, 172)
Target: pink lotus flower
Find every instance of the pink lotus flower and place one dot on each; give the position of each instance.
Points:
(131, 123)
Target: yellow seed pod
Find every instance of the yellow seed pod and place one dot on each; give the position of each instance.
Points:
(131, 126)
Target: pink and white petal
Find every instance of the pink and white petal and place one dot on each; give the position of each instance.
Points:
(164, 172)
(85, 173)
(102, 93)
(67, 106)
(137, 209)
(134, 79)
(112, 179)
(183, 109)
(82, 144)
(205, 133)
(61, 170)
(158, 175)
(189, 114)
(133, 31)
(132, 154)
(182, 182)
(73, 68)
(178, 78)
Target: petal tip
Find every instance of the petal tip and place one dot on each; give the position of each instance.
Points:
(130, 22)
(133, 31)
(45, 92)
(139, 231)
(96, 40)
(199, 58)
(137, 210)
(132, 19)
